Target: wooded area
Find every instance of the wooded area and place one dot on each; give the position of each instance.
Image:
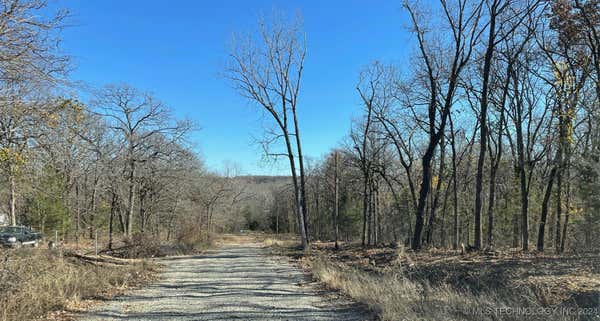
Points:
(489, 138)
(112, 160)
(469, 171)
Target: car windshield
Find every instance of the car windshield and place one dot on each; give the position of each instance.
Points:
(10, 230)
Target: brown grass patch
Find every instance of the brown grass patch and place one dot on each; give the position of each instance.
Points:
(437, 284)
(36, 282)
(395, 297)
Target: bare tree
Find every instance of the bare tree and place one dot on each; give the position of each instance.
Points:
(568, 57)
(503, 19)
(29, 43)
(138, 118)
(336, 196)
(268, 71)
(29, 66)
(441, 81)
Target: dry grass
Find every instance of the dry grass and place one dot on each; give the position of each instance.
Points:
(394, 297)
(279, 242)
(447, 285)
(140, 245)
(572, 279)
(35, 282)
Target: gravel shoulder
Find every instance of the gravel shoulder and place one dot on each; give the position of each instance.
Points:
(235, 282)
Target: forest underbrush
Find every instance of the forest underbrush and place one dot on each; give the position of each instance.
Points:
(56, 285)
(449, 285)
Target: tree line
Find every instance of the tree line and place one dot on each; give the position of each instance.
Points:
(82, 160)
(489, 138)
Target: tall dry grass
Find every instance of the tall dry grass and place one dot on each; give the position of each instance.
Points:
(394, 297)
(35, 282)
(279, 242)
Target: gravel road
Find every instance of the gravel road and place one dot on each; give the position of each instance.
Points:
(236, 282)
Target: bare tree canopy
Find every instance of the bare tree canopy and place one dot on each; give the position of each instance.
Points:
(29, 42)
(267, 70)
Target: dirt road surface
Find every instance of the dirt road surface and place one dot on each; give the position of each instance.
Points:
(235, 282)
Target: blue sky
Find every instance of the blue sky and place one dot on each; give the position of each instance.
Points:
(177, 49)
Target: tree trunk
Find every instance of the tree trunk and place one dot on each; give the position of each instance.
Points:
(524, 211)
(483, 123)
(131, 198)
(142, 210)
(120, 213)
(490, 214)
(496, 160)
(370, 212)
(544, 214)
(317, 230)
(170, 221)
(12, 199)
(434, 203)
(93, 207)
(335, 200)
(522, 184)
(558, 206)
(515, 221)
(557, 231)
(365, 207)
(297, 193)
(113, 205)
(568, 210)
(375, 213)
(424, 191)
(456, 232)
(77, 216)
(443, 221)
(567, 213)
(277, 222)
(210, 215)
(302, 175)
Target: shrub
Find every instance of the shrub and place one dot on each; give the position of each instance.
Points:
(190, 237)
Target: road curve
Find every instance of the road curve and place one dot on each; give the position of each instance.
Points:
(236, 282)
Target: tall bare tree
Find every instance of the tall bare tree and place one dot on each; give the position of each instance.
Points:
(267, 70)
(441, 78)
(138, 118)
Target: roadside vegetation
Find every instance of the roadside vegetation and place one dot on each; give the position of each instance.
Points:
(484, 136)
(39, 283)
(394, 297)
(400, 284)
(141, 246)
(480, 153)
(61, 282)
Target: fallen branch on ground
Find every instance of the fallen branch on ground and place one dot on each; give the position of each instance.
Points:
(99, 259)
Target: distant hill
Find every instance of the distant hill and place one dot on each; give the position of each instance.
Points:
(264, 179)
